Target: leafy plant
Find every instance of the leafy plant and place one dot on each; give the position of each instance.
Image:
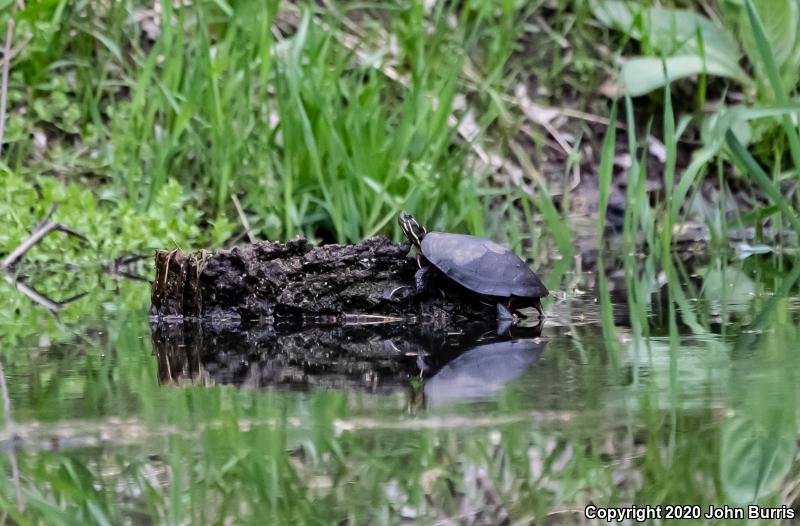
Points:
(317, 133)
(679, 43)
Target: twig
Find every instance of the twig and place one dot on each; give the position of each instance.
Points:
(243, 218)
(4, 82)
(118, 267)
(41, 299)
(130, 275)
(37, 235)
(47, 216)
(235, 239)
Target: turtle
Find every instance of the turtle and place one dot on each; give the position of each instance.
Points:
(485, 268)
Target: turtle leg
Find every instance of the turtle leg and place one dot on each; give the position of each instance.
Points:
(422, 279)
(503, 313)
(422, 365)
(504, 326)
(512, 306)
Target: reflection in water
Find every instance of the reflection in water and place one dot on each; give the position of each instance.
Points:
(376, 358)
(345, 357)
(481, 372)
(701, 408)
(759, 438)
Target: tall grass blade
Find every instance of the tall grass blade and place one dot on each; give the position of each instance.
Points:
(670, 144)
(749, 165)
(606, 170)
(555, 223)
(608, 328)
(765, 50)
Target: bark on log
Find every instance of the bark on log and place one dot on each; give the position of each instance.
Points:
(269, 281)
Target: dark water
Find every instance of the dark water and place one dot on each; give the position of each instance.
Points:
(663, 395)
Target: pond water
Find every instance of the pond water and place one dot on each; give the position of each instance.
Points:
(652, 393)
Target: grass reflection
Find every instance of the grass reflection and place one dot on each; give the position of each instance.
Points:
(687, 414)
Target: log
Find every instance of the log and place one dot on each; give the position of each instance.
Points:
(270, 282)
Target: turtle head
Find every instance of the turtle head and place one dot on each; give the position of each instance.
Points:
(413, 230)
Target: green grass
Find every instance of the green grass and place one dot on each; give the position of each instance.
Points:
(321, 129)
(645, 430)
(325, 122)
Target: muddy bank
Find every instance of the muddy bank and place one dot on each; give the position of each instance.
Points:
(269, 281)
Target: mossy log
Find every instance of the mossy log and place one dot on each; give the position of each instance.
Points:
(270, 281)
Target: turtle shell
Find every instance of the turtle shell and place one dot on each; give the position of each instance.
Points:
(481, 266)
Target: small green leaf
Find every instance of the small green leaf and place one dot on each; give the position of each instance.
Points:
(730, 286)
(668, 31)
(756, 454)
(619, 15)
(780, 23)
(642, 75)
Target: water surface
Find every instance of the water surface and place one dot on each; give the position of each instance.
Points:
(666, 394)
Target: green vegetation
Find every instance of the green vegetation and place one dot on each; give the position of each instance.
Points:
(144, 126)
(684, 416)
(326, 121)
(317, 133)
(688, 44)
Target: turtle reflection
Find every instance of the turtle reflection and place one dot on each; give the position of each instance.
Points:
(483, 371)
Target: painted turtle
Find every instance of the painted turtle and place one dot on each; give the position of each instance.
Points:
(484, 267)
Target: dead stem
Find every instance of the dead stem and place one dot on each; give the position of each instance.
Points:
(243, 218)
(4, 82)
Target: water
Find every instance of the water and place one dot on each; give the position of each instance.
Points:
(689, 398)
